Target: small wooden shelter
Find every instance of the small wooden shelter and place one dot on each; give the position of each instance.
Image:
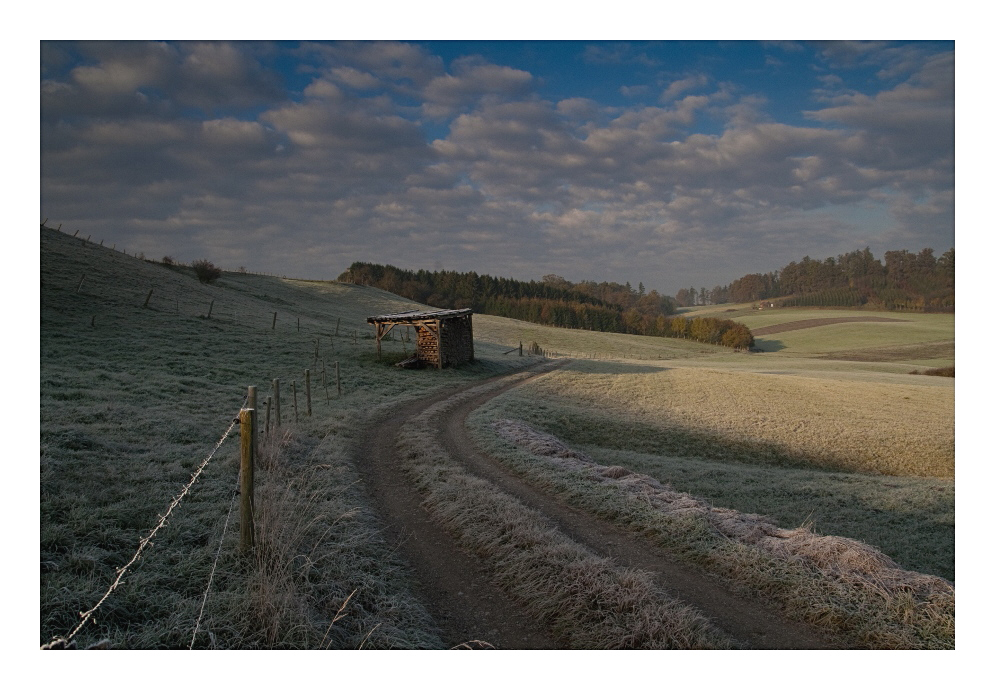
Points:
(445, 338)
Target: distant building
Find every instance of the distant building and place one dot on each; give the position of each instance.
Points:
(445, 338)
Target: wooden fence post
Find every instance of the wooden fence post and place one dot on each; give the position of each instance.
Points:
(250, 402)
(274, 322)
(276, 400)
(148, 298)
(269, 406)
(210, 309)
(293, 387)
(324, 382)
(338, 382)
(307, 389)
(245, 483)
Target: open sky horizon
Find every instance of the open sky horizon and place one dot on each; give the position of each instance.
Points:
(671, 163)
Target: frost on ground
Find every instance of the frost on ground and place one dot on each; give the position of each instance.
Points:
(839, 557)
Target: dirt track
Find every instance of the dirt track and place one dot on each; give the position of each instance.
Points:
(812, 323)
(461, 597)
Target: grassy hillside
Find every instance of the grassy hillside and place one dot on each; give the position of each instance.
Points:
(134, 398)
(910, 338)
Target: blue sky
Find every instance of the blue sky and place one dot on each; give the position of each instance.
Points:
(671, 163)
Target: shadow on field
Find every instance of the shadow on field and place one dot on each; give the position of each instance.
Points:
(593, 366)
(765, 345)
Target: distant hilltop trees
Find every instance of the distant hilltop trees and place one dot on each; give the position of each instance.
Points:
(905, 281)
(553, 301)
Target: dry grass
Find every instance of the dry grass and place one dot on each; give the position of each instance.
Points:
(940, 371)
(583, 599)
(884, 427)
(841, 584)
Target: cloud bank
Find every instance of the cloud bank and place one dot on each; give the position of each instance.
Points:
(300, 158)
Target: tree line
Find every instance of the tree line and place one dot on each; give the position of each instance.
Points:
(554, 301)
(905, 281)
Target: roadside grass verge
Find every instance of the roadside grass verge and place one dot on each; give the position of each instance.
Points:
(309, 552)
(583, 599)
(911, 519)
(841, 585)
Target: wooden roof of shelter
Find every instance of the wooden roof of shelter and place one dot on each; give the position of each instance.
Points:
(412, 316)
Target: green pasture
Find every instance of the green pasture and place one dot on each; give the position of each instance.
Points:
(913, 339)
(587, 344)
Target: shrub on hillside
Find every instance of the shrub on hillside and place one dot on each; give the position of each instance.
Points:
(206, 271)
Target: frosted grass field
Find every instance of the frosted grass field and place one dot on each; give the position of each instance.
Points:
(845, 447)
(134, 397)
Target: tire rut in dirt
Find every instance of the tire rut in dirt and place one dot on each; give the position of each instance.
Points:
(748, 621)
(451, 583)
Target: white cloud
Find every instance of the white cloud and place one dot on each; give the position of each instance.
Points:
(691, 83)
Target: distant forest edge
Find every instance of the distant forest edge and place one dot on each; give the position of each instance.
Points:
(904, 282)
(555, 301)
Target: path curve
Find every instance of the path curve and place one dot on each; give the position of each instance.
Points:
(459, 594)
(451, 584)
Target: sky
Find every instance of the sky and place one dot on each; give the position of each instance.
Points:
(671, 163)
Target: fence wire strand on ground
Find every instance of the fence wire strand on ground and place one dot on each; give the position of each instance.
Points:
(145, 541)
(214, 567)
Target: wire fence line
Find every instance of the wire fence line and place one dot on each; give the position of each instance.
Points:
(63, 642)
(217, 557)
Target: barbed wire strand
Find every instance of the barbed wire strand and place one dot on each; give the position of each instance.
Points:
(217, 556)
(146, 541)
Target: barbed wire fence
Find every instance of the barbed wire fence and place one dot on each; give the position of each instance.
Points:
(144, 542)
(214, 566)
